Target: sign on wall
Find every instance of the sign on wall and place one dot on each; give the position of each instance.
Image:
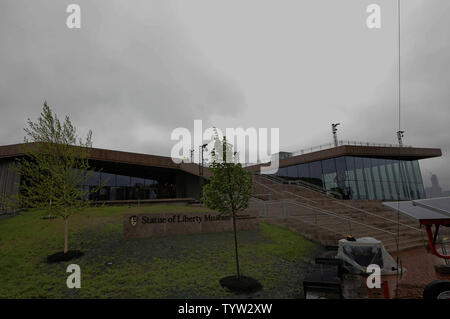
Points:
(166, 224)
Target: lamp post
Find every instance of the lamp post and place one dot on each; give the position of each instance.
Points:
(200, 167)
(334, 131)
(399, 137)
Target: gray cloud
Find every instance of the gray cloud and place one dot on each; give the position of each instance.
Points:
(126, 66)
(138, 69)
(425, 83)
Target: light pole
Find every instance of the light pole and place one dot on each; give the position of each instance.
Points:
(192, 155)
(334, 131)
(399, 137)
(200, 167)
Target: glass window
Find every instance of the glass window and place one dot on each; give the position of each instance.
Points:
(362, 190)
(394, 190)
(382, 168)
(137, 181)
(401, 191)
(328, 166)
(353, 189)
(282, 171)
(369, 179)
(406, 190)
(350, 162)
(370, 190)
(329, 173)
(403, 174)
(108, 179)
(303, 170)
(417, 173)
(396, 170)
(122, 181)
(414, 191)
(149, 182)
(367, 169)
(421, 190)
(390, 172)
(113, 193)
(316, 172)
(386, 190)
(378, 190)
(410, 172)
(292, 172)
(359, 168)
(375, 169)
(341, 168)
(86, 192)
(93, 179)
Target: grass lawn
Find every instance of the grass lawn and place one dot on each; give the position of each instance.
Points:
(183, 266)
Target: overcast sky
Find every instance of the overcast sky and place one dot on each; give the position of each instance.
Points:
(136, 70)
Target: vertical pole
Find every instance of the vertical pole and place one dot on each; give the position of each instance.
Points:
(236, 246)
(66, 235)
(399, 137)
(334, 131)
(399, 132)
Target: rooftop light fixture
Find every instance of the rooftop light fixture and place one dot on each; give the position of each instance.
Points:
(334, 131)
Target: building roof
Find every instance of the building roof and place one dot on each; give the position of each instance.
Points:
(111, 156)
(404, 153)
(103, 155)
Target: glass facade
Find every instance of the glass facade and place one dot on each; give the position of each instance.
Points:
(361, 177)
(122, 187)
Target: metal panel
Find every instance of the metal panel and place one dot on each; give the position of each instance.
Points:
(435, 208)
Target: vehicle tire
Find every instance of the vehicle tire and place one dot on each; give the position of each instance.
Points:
(439, 289)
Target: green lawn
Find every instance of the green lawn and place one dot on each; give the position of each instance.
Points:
(184, 266)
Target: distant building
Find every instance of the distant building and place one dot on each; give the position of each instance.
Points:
(435, 190)
(282, 155)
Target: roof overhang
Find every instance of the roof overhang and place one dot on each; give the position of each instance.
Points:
(103, 155)
(403, 153)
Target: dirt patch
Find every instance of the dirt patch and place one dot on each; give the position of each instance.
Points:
(241, 284)
(61, 256)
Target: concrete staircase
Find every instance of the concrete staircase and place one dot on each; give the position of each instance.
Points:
(326, 220)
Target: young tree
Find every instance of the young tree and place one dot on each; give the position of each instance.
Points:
(54, 169)
(229, 187)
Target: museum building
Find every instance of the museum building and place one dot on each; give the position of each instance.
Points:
(353, 172)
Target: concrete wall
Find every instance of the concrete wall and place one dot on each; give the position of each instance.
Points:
(9, 180)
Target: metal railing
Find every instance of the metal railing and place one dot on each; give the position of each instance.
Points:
(295, 182)
(314, 149)
(310, 215)
(343, 142)
(333, 200)
(342, 218)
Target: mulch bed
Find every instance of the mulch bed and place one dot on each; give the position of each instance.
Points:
(61, 256)
(49, 217)
(242, 284)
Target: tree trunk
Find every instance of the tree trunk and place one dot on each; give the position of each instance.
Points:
(50, 209)
(66, 235)
(236, 246)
